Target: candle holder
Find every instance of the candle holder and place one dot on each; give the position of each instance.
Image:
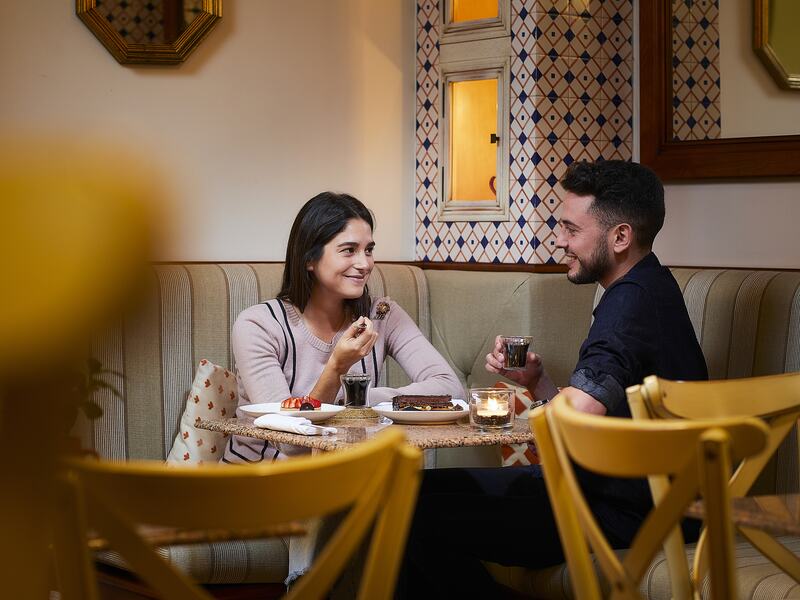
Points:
(491, 408)
(515, 351)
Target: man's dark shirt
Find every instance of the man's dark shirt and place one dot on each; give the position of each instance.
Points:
(641, 327)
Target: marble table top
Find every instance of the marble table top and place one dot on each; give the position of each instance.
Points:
(352, 431)
(777, 515)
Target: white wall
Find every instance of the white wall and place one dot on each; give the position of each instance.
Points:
(281, 101)
(751, 223)
(732, 224)
(285, 99)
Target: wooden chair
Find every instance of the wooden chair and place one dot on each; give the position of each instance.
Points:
(775, 399)
(377, 481)
(695, 455)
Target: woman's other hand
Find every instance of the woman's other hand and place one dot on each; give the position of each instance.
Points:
(356, 342)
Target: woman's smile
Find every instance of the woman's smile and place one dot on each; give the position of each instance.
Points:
(346, 262)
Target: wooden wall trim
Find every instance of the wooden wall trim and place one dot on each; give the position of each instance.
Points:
(425, 265)
(453, 266)
(497, 267)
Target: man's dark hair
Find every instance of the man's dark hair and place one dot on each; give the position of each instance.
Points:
(319, 221)
(624, 192)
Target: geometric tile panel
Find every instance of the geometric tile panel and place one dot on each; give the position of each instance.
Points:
(695, 70)
(137, 21)
(571, 98)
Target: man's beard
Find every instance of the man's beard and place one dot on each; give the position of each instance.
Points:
(592, 271)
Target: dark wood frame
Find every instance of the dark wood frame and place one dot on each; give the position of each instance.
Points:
(434, 266)
(777, 156)
(485, 267)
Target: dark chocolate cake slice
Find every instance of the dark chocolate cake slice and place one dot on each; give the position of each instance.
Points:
(422, 402)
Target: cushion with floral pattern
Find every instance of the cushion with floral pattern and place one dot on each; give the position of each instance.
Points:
(213, 396)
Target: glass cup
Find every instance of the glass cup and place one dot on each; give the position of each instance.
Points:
(355, 389)
(491, 408)
(515, 351)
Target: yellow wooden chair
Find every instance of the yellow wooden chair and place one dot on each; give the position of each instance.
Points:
(775, 399)
(695, 455)
(377, 481)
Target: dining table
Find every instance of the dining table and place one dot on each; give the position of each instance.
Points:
(172, 536)
(777, 514)
(458, 434)
(760, 519)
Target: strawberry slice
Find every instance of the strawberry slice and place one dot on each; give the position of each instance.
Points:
(292, 403)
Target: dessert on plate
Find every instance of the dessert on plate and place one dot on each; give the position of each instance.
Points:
(423, 402)
(301, 403)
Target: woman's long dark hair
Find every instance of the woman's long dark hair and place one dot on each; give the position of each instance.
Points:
(320, 220)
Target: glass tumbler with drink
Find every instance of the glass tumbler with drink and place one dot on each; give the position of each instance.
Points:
(355, 389)
(515, 351)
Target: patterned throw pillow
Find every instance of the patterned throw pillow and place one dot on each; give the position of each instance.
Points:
(213, 396)
(518, 454)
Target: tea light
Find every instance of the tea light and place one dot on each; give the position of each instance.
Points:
(491, 408)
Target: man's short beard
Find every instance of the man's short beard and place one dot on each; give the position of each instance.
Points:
(598, 265)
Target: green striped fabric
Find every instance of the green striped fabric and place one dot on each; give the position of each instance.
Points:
(748, 323)
(757, 577)
(186, 316)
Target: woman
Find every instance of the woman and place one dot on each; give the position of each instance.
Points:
(318, 327)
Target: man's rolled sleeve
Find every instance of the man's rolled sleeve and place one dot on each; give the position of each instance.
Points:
(603, 388)
(620, 339)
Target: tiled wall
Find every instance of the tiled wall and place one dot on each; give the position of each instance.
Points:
(137, 21)
(695, 77)
(571, 99)
(142, 21)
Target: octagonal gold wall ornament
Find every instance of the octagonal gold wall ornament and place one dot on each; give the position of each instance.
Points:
(150, 32)
(775, 39)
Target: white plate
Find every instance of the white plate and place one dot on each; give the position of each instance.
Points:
(422, 417)
(326, 411)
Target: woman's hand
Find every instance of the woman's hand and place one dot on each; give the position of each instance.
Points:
(528, 377)
(354, 345)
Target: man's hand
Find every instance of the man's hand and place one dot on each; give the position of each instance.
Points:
(528, 377)
(354, 345)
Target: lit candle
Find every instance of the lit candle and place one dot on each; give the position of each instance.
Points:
(494, 408)
(491, 408)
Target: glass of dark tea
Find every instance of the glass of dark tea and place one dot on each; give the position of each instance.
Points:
(515, 351)
(355, 389)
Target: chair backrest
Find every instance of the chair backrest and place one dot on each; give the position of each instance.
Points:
(377, 481)
(695, 455)
(775, 399)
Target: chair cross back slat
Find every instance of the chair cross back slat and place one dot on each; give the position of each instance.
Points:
(775, 399)
(377, 481)
(564, 436)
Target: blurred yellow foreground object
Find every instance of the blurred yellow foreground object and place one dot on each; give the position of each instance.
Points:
(78, 226)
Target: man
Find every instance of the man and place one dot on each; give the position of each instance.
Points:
(610, 216)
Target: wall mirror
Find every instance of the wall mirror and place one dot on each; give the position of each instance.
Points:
(776, 41)
(708, 107)
(157, 32)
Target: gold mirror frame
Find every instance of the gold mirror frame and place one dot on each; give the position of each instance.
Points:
(765, 51)
(150, 54)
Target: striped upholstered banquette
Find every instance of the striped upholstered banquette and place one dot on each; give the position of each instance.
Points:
(748, 323)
